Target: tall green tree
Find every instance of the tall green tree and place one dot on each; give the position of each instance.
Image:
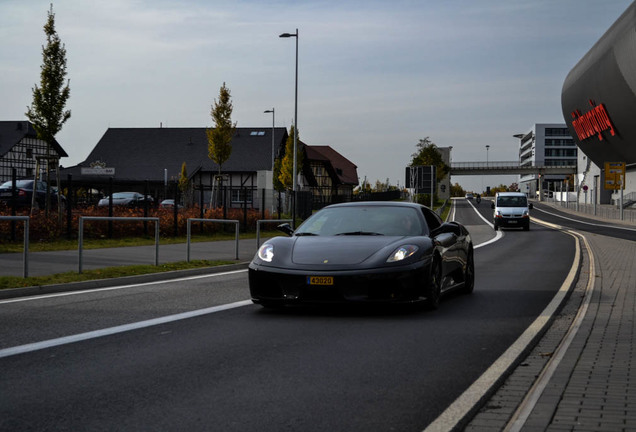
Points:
(428, 154)
(220, 137)
(287, 164)
(47, 113)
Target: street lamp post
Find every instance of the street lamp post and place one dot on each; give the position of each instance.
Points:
(273, 125)
(294, 180)
(487, 148)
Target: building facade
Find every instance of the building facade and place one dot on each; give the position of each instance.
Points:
(545, 144)
(21, 150)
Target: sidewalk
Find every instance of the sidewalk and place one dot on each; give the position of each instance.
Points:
(591, 384)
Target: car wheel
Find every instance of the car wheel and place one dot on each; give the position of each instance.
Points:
(434, 286)
(469, 273)
(526, 227)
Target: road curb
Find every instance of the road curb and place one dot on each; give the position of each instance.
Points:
(127, 280)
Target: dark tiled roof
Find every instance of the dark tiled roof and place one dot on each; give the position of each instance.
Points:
(346, 170)
(139, 154)
(12, 132)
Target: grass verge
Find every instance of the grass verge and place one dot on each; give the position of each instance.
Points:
(105, 273)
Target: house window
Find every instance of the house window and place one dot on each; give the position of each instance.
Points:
(29, 153)
(241, 195)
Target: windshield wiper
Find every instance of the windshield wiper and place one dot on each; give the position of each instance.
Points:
(361, 233)
(305, 234)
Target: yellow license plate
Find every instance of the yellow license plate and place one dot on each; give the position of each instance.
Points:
(320, 280)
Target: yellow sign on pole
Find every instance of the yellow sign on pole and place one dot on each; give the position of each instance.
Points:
(614, 175)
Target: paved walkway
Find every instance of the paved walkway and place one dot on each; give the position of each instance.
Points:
(583, 380)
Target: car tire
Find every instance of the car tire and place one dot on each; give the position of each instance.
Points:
(496, 226)
(469, 273)
(434, 285)
(526, 227)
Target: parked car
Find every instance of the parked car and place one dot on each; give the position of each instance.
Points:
(365, 252)
(511, 210)
(128, 199)
(24, 194)
(169, 203)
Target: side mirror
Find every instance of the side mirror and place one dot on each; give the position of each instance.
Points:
(286, 228)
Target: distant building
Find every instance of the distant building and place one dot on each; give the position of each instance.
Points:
(545, 144)
(20, 149)
(328, 175)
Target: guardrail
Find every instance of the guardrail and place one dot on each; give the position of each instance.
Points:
(236, 230)
(25, 253)
(127, 219)
(258, 228)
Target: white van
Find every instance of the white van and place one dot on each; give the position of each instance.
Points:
(512, 210)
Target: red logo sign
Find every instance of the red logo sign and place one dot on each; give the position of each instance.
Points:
(593, 122)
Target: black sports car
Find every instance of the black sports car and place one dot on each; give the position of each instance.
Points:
(392, 252)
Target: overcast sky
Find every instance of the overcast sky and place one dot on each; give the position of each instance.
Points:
(375, 77)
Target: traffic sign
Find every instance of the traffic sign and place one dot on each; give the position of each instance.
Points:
(614, 175)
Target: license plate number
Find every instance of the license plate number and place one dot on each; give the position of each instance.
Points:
(512, 222)
(319, 280)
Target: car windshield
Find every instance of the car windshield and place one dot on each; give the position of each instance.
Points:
(19, 183)
(512, 201)
(363, 220)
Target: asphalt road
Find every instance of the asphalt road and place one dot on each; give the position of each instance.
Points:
(246, 368)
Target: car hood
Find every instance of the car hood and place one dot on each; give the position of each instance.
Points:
(340, 250)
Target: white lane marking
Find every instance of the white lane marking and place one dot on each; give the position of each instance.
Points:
(118, 287)
(586, 223)
(459, 409)
(118, 329)
(498, 234)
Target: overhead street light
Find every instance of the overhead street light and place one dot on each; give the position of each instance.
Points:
(294, 180)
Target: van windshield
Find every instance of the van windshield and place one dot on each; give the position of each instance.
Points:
(512, 201)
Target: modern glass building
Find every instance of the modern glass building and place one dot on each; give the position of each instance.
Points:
(545, 144)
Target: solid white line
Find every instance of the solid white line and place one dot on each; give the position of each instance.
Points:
(118, 329)
(586, 223)
(118, 287)
(498, 234)
(459, 409)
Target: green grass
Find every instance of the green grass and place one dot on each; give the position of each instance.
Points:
(105, 273)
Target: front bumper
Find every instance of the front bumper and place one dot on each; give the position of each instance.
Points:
(404, 284)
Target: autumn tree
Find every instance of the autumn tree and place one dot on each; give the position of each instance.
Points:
(47, 113)
(220, 136)
(287, 163)
(184, 184)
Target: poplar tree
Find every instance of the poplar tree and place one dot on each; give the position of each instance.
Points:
(46, 112)
(220, 137)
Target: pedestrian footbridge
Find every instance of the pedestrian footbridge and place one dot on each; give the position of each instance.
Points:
(506, 168)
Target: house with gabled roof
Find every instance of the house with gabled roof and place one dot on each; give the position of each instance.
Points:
(329, 176)
(21, 149)
(150, 160)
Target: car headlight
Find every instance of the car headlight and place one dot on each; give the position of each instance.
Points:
(402, 253)
(266, 252)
